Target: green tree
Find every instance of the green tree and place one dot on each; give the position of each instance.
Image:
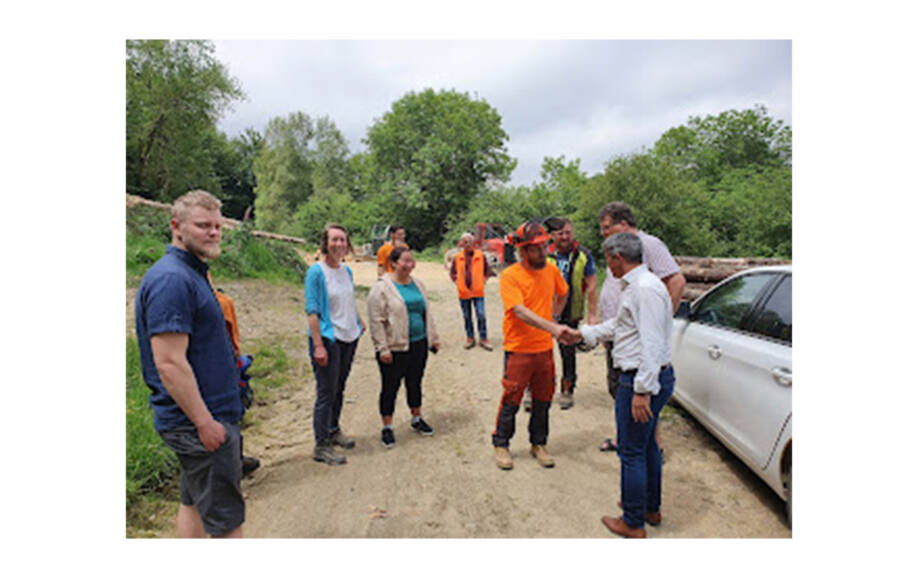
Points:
(433, 153)
(176, 92)
(667, 203)
(234, 168)
(750, 212)
(506, 205)
(558, 193)
(300, 158)
(707, 147)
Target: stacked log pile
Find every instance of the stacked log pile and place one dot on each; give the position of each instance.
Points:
(702, 273)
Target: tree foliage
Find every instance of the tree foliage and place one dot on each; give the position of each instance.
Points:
(666, 201)
(176, 92)
(558, 191)
(432, 153)
(708, 147)
(302, 171)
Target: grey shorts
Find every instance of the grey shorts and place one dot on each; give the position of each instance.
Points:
(211, 481)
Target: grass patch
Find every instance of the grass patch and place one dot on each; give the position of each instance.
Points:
(243, 256)
(269, 367)
(151, 466)
(431, 254)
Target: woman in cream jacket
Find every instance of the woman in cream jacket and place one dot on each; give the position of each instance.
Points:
(402, 329)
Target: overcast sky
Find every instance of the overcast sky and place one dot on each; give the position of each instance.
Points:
(591, 100)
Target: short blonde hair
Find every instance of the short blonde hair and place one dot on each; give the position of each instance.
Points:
(196, 198)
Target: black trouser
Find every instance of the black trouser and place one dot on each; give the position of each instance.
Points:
(408, 365)
(611, 371)
(569, 359)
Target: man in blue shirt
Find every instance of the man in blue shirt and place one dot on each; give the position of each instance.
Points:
(189, 365)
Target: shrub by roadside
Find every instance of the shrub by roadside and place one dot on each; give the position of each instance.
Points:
(243, 256)
(150, 465)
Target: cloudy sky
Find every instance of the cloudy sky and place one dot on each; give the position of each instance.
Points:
(585, 99)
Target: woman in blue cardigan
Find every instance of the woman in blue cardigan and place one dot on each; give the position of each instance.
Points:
(335, 327)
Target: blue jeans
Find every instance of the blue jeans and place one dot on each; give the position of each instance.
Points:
(479, 314)
(330, 381)
(642, 468)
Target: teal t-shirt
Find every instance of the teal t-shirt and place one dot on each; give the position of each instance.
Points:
(417, 329)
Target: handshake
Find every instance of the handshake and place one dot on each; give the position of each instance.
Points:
(567, 335)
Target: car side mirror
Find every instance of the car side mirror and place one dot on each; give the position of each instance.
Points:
(683, 310)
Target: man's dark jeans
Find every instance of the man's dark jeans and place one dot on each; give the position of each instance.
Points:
(642, 464)
(466, 305)
(569, 358)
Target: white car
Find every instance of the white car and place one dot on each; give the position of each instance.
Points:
(732, 357)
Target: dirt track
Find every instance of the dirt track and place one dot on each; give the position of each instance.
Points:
(447, 486)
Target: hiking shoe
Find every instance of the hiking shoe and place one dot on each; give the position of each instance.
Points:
(503, 458)
(486, 345)
(249, 465)
(527, 401)
(469, 343)
(339, 439)
(566, 400)
(541, 456)
(388, 438)
(324, 452)
(422, 427)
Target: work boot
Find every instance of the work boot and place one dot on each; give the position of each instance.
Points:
(339, 439)
(324, 452)
(503, 458)
(541, 456)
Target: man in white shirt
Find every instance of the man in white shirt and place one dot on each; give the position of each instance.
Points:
(640, 332)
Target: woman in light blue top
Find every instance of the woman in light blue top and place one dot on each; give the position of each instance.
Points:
(334, 329)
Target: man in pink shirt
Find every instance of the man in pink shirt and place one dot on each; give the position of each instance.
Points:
(617, 217)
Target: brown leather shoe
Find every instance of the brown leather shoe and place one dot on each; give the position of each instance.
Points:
(618, 526)
(652, 518)
(503, 458)
(541, 455)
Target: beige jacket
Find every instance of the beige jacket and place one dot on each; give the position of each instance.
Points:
(388, 316)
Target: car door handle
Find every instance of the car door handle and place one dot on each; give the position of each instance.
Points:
(714, 352)
(782, 376)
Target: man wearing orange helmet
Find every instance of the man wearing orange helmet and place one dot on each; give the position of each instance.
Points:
(533, 292)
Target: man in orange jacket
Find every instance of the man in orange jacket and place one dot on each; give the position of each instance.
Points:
(470, 271)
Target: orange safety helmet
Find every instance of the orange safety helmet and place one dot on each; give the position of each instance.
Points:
(529, 233)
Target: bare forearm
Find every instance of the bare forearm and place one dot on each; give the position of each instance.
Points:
(675, 285)
(178, 379)
(591, 297)
(314, 329)
(558, 305)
